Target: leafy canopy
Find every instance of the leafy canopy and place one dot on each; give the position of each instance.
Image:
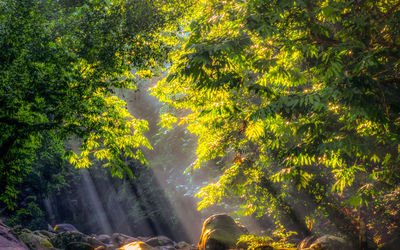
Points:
(301, 95)
(61, 62)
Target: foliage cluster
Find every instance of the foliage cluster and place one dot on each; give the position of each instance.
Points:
(304, 95)
(49, 175)
(280, 240)
(61, 62)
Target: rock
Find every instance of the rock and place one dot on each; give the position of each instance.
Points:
(8, 241)
(62, 240)
(182, 245)
(45, 233)
(394, 244)
(64, 228)
(330, 242)
(104, 238)
(79, 246)
(169, 247)
(137, 245)
(159, 241)
(143, 238)
(50, 228)
(34, 240)
(185, 246)
(306, 242)
(220, 231)
(119, 239)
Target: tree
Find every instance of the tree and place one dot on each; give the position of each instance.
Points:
(304, 96)
(49, 174)
(61, 62)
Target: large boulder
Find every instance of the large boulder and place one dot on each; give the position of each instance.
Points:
(330, 242)
(137, 245)
(8, 241)
(220, 232)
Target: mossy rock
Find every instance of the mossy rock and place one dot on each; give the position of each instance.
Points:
(45, 233)
(220, 231)
(79, 246)
(62, 240)
(34, 240)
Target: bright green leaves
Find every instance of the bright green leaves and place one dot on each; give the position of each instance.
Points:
(302, 91)
(61, 63)
(167, 120)
(214, 193)
(298, 177)
(345, 177)
(255, 130)
(117, 135)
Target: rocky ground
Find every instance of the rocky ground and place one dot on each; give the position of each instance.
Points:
(219, 232)
(67, 237)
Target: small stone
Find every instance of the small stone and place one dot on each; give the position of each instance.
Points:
(64, 228)
(79, 246)
(137, 245)
(106, 239)
(160, 241)
(119, 239)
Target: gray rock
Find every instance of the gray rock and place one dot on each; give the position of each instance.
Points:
(8, 241)
(330, 242)
(119, 239)
(143, 238)
(182, 245)
(79, 246)
(159, 241)
(62, 240)
(166, 247)
(106, 239)
(64, 228)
